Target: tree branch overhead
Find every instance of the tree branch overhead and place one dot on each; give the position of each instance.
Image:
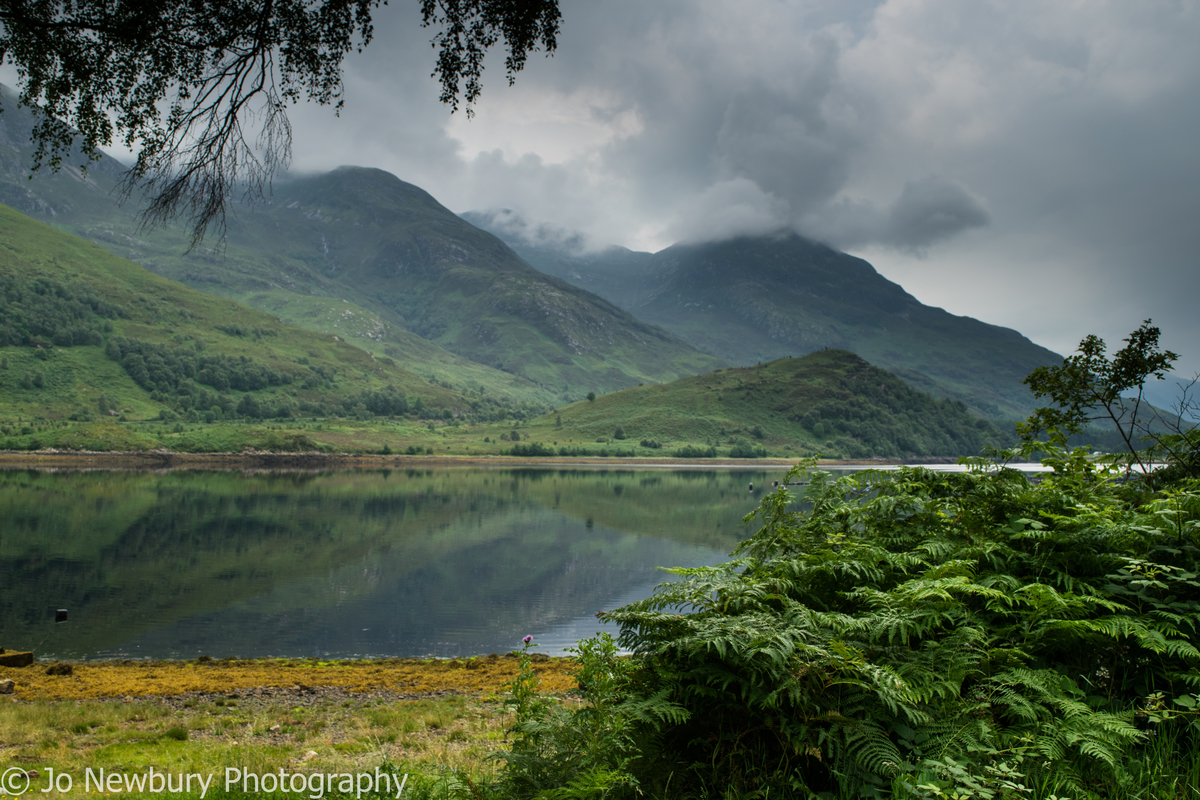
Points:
(100, 72)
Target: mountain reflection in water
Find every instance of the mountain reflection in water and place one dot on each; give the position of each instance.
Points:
(443, 562)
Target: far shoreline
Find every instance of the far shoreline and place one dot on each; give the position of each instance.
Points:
(255, 460)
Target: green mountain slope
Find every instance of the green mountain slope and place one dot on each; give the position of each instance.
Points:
(829, 402)
(460, 287)
(359, 254)
(755, 299)
(86, 334)
(86, 205)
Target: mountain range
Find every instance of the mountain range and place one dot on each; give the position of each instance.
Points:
(379, 263)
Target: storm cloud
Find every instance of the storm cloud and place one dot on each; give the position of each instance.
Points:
(1031, 164)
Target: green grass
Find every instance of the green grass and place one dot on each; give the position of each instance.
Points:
(423, 738)
(436, 742)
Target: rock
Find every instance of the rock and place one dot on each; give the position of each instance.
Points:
(6, 687)
(60, 669)
(12, 658)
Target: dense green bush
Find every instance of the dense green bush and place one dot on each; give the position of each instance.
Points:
(534, 449)
(40, 312)
(587, 752)
(911, 634)
(743, 449)
(912, 624)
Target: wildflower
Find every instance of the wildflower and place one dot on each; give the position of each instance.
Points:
(527, 639)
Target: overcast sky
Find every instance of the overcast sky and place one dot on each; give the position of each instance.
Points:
(1032, 164)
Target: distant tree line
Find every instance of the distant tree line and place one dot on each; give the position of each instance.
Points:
(196, 385)
(741, 449)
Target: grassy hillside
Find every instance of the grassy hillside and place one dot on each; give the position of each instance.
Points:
(85, 335)
(461, 287)
(86, 205)
(830, 402)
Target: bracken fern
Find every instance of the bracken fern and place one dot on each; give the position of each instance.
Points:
(883, 624)
(901, 633)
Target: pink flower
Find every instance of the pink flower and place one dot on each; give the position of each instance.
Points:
(527, 639)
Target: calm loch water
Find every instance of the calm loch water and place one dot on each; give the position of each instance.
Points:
(446, 562)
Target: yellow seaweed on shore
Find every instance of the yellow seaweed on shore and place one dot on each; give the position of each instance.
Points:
(118, 679)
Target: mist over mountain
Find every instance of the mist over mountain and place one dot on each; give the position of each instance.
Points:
(618, 274)
(755, 299)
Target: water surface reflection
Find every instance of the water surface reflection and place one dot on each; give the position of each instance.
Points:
(445, 562)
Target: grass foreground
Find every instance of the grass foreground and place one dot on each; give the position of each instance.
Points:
(108, 724)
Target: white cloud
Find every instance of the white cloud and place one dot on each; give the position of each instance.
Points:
(736, 207)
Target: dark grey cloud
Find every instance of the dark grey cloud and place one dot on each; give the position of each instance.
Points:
(1031, 164)
(749, 125)
(736, 207)
(930, 210)
(780, 138)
